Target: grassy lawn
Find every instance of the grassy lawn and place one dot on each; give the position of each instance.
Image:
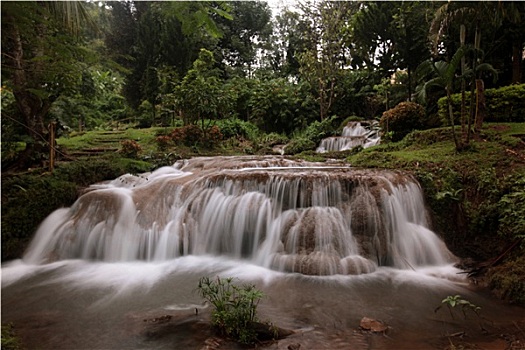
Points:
(109, 139)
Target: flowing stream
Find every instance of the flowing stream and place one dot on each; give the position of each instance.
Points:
(327, 244)
(363, 134)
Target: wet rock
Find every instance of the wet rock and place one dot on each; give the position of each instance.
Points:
(369, 324)
(294, 346)
(266, 332)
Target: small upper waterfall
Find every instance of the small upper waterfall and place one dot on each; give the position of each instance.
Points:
(294, 216)
(364, 134)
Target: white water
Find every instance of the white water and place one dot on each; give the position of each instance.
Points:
(354, 134)
(276, 213)
(132, 250)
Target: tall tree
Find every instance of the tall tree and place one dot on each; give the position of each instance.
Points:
(198, 96)
(389, 36)
(160, 34)
(244, 35)
(322, 62)
(40, 55)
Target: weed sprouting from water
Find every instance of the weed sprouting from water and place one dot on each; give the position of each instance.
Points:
(235, 307)
(457, 301)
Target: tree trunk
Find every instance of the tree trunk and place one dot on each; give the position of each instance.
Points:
(472, 110)
(32, 108)
(462, 36)
(409, 78)
(463, 111)
(517, 54)
(481, 109)
(451, 116)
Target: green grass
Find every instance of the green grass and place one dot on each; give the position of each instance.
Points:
(109, 139)
(436, 146)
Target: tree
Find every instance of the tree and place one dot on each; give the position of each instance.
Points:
(40, 56)
(389, 36)
(156, 35)
(289, 42)
(245, 33)
(476, 13)
(325, 57)
(198, 96)
(444, 76)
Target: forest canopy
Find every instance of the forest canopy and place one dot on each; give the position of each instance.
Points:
(89, 65)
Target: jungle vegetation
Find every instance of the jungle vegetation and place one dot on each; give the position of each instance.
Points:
(127, 86)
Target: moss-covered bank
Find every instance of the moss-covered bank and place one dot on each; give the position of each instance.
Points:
(29, 198)
(476, 197)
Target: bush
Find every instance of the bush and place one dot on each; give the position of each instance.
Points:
(130, 148)
(214, 136)
(402, 119)
(235, 308)
(10, 341)
(508, 280)
(299, 145)
(512, 211)
(273, 139)
(319, 130)
(163, 142)
(234, 127)
(188, 135)
(505, 104)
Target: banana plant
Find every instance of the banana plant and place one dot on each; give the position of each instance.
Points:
(444, 76)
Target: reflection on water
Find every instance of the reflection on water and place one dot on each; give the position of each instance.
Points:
(78, 304)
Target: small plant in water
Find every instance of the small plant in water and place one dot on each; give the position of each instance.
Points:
(235, 307)
(457, 301)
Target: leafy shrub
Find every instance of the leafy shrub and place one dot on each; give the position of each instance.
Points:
(235, 308)
(10, 340)
(508, 280)
(512, 211)
(402, 119)
(505, 104)
(145, 114)
(273, 139)
(163, 142)
(299, 145)
(214, 136)
(130, 148)
(319, 130)
(188, 135)
(464, 305)
(234, 127)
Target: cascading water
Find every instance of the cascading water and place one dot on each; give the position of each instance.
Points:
(119, 269)
(364, 134)
(283, 215)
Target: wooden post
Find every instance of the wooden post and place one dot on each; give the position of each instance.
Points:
(52, 129)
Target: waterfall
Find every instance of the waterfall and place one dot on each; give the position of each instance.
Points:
(364, 134)
(291, 216)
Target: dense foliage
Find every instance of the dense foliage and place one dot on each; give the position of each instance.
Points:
(233, 77)
(173, 63)
(402, 119)
(505, 104)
